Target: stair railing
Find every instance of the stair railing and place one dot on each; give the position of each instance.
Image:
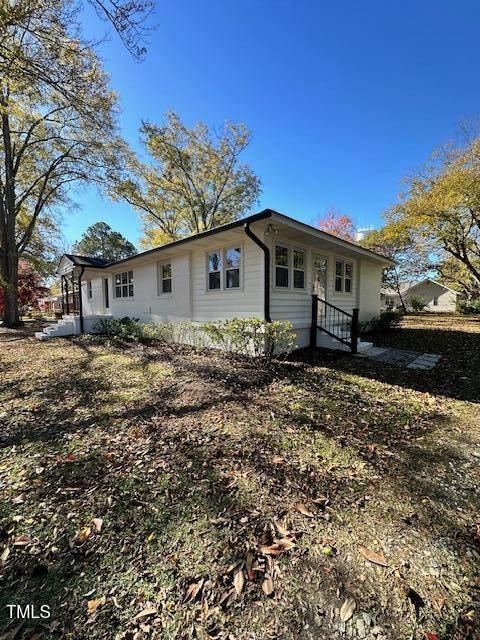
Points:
(335, 322)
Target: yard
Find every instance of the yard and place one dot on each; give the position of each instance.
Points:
(152, 493)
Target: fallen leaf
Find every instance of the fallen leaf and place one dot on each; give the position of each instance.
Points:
(84, 534)
(271, 549)
(267, 585)
(149, 611)
(71, 457)
(321, 501)
(92, 605)
(97, 523)
(238, 580)
(285, 543)
(22, 541)
(301, 508)
(373, 556)
(4, 556)
(278, 460)
(431, 636)
(347, 609)
(193, 591)
(249, 565)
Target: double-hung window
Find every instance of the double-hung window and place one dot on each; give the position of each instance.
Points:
(298, 269)
(215, 270)
(343, 276)
(233, 257)
(124, 284)
(282, 263)
(165, 278)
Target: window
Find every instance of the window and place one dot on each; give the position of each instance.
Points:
(281, 266)
(165, 278)
(343, 276)
(298, 269)
(232, 268)
(214, 270)
(435, 302)
(89, 289)
(124, 284)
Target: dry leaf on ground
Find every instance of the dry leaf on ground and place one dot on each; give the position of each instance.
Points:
(267, 585)
(301, 508)
(93, 605)
(149, 611)
(373, 556)
(238, 580)
(347, 609)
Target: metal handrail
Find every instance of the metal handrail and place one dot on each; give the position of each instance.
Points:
(339, 324)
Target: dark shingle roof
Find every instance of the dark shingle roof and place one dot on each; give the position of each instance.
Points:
(85, 261)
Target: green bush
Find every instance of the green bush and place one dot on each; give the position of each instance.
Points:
(251, 336)
(416, 303)
(247, 336)
(383, 323)
(469, 307)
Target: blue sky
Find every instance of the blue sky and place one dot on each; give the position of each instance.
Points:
(343, 97)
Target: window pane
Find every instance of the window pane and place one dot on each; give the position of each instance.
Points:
(232, 278)
(214, 262)
(339, 268)
(281, 277)
(338, 284)
(299, 279)
(125, 291)
(130, 276)
(348, 270)
(298, 260)
(130, 290)
(232, 258)
(214, 280)
(166, 270)
(167, 285)
(348, 285)
(118, 292)
(118, 279)
(281, 256)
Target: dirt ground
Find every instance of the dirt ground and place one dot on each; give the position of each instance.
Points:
(157, 493)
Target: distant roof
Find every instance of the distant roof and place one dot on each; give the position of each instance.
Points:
(262, 215)
(406, 287)
(86, 261)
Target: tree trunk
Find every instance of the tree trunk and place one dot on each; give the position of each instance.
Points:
(9, 277)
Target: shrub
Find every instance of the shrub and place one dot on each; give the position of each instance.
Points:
(470, 306)
(386, 321)
(251, 336)
(416, 303)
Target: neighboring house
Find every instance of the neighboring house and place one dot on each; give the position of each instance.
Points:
(264, 266)
(437, 296)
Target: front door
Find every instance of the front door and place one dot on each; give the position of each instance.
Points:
(320, 276)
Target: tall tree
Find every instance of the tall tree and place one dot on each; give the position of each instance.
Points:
(338, 224)
(100, 241)
(412, 257)
(442, 205)
(194, 182)
(57, 129)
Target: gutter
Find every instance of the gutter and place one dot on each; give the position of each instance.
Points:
(80, 298)
(266, 269)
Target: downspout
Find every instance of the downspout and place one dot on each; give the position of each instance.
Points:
(80, 298)
(266, 269)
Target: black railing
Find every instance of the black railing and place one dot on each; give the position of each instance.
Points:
(335, 322)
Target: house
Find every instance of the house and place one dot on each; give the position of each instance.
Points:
(266, 266)
(436, 296)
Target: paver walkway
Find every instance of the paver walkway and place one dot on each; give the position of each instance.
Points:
(402, 358)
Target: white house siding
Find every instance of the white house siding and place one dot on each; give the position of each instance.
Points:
(146, 304)
(246, 302)
(369, 283)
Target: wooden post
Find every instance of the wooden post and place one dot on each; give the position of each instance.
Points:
(355, 330)
(313, 328)
(66, 293)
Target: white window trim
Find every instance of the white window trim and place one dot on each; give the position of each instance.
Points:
(160, 279)
(344, 262)
(291, 248)
(223, 271)
(114, 286)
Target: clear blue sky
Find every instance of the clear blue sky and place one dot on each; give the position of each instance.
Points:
(343, 97)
